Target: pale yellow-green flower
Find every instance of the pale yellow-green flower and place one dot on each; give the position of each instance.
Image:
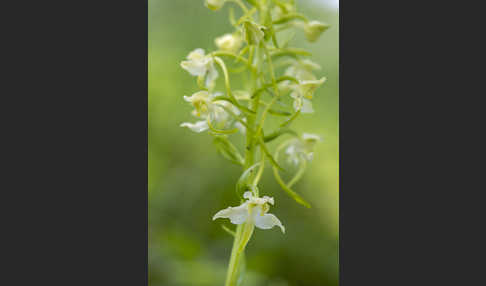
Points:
(303, 92)
(254, 211)
(201, 65)
(229, 42)
(206, 109)
(302, 148)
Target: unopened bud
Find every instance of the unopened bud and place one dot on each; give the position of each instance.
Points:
(214, 4)
(314, 29)
(229, 42)
(253, 32)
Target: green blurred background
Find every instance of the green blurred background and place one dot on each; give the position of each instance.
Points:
(189, 182)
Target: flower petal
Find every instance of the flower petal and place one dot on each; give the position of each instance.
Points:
(197, 54)
(247, 195)
(267, 221)
(237, 215)
(306, 106)
(198, 126)
(212, 75)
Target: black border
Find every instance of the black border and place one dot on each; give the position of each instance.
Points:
(76, 145)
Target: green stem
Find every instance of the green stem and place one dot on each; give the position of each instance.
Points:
(235, 258)
(245, 231)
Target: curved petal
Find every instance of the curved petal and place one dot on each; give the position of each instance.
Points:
(198, 127)
(212, 75)
(237, 215)
(307, 106)
(195, 68)
(197, 54)
(267, 221)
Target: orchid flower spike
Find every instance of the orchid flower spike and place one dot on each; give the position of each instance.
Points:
(302, 148)
(254, 210)
(201, 65)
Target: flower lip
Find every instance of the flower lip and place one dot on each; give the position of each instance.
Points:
(256, 200)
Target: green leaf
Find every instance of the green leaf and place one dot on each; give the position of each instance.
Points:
(287, 77)
(290, 120)
(289, 17)
(291, 52)
(289, 191)
(279, 113)
(269, 156)
(246, 109)
(277, 133)
(228, 150)
(220, 131)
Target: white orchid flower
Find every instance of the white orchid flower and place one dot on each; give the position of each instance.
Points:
(201, 101)
(308, 83)
(206, 109)
(302, 148)
(254, 211)
(201, 65)
(302, 92)
(229, 42)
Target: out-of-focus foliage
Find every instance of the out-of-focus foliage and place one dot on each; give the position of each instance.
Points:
(189, 182)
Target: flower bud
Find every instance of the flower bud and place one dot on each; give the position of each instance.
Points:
(253, 32)
(314, 29)
(229, 42)
(214, 4)
(310, 141)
